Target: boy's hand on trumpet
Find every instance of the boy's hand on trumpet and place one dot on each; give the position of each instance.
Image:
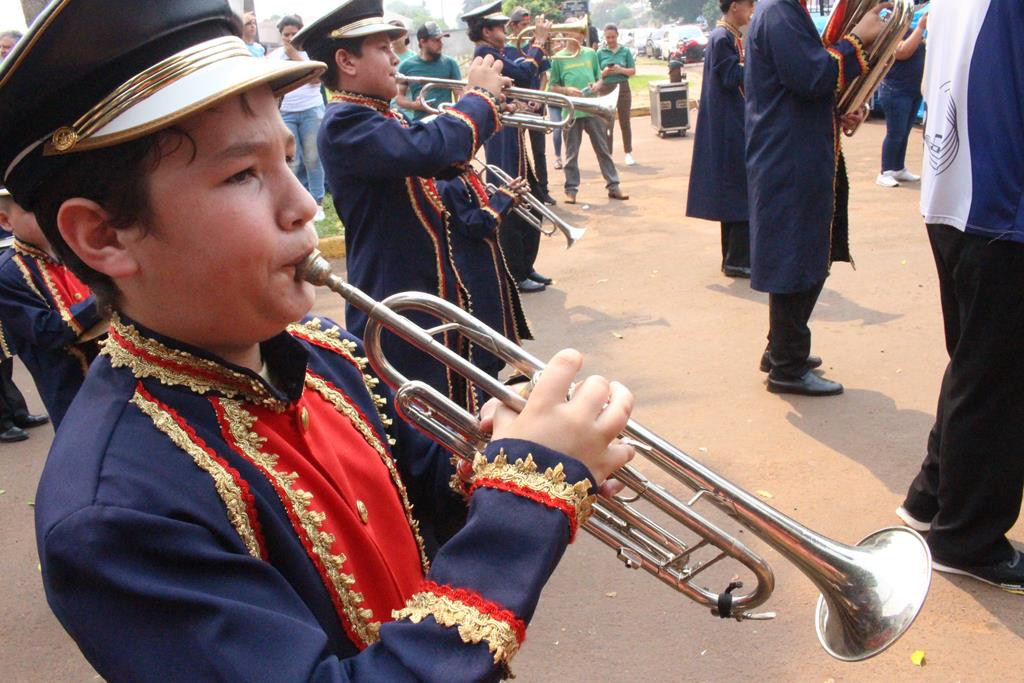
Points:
(485, 72)
(585, 426)
(519, 188)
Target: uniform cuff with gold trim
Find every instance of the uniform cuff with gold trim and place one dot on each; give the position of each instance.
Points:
(849, 56)
(478, 109)
(501, 202)
(543, 476)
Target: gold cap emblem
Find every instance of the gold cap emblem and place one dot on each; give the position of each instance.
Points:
(64, 139)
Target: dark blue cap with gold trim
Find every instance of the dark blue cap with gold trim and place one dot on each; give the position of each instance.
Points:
(486, 14)
(97, 73)
(352, 19)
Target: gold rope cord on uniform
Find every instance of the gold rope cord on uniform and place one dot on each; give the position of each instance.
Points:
(144, 85)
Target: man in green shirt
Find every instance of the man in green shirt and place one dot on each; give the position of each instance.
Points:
(572, 76)
(429, 62)
(617, 65)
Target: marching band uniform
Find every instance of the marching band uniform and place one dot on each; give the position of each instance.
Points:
(289, 525)
(381, 173)
(797, 179)
(197, 520)
(45, 311)
(476, 220)
(718, 175)
(507, 149)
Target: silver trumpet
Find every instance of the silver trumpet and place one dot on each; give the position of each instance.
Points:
(603, 107)
(571, 232)
(870, 592)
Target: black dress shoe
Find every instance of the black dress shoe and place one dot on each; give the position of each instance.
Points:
(537, 277)
(30, 421)
(1008, 574)
(547, 199)
(13, 434)
(766, 362)
(808, 385)
(736, 271)
(527, 286)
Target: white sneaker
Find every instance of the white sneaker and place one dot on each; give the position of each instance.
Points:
(914, 523)
(629, 160)
(319, 214)
(904, 175)
(885, 180)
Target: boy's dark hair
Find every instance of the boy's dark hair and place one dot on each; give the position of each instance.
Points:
(113, 177)
(476, 31)
(290, 20)
(323, 51)
(612, 27)
(725, 5)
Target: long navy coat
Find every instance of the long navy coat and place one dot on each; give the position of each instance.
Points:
(790, 84)
(718, 174)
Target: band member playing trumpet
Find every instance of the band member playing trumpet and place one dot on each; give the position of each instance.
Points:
(507, 148)
(797, 180)
(381, 171)
(718, 174)
(232, 496)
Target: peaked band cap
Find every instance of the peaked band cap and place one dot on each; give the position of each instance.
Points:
(351, 19)
(97, 73)
(489, 13)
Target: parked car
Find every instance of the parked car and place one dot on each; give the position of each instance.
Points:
(688, 39)
(651, 45)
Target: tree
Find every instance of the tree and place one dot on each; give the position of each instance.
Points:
(417, 13)
(712, 12)
(677, 10)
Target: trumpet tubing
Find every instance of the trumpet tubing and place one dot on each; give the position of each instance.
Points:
(556, 32)
(571, 232)
(870, 592)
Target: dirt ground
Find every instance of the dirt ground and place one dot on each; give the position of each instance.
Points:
(642, 295)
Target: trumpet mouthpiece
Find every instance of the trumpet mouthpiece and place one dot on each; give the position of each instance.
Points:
(314, 269)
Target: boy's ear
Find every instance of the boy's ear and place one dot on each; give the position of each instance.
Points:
(5, 220)
(86, 228)
(345, 61)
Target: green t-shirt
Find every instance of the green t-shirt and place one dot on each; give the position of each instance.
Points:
(621, 57)
(575, 72)
(443, 67)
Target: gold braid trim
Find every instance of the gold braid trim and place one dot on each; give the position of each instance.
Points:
(5, 351)
(522, 477)
(19, 259)
(223, 482)
(58, 299)
(148, 358)
(474, 626)
(310, 522)
(342, 405)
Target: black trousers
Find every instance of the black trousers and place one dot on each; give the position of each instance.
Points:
(736, 244)
(520, 241)
(12, 403)
(789, 337)
(538, 147)
(972, 478)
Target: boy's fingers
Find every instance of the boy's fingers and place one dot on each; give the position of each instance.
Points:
(592, 393)
(613, 418)
(554, 382)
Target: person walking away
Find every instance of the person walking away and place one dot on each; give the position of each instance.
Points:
(718, 173)
(797, 184)
(302, 110)
(967, 494)
(617, 65)
(430, 62)
(574, 76)
(900, 97)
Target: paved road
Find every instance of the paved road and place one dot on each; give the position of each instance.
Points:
(641, 294)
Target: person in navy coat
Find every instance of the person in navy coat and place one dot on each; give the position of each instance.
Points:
(796, 179)
(232, 495)
(718, 173)
(382, 170)
(507, 149)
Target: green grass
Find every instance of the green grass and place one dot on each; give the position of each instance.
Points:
(331, 225)
(638, 84)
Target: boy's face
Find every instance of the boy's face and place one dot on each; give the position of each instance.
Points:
(22, 223)
(287, 33)
(494, 35)
(373, 72)
(229, 225)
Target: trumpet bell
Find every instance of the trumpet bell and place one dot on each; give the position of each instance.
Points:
(876, 596)
(603, 107)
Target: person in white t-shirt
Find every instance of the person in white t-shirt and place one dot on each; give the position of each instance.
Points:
(302, 110)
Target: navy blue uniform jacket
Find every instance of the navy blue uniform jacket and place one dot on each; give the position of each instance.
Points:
(790, 82)
(718, 174)
(44, 310)
(381, 170)
(196, 523)
(506, 149)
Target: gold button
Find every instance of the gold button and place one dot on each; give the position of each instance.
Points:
(78, 297)
(364, 514)
(304, 418)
